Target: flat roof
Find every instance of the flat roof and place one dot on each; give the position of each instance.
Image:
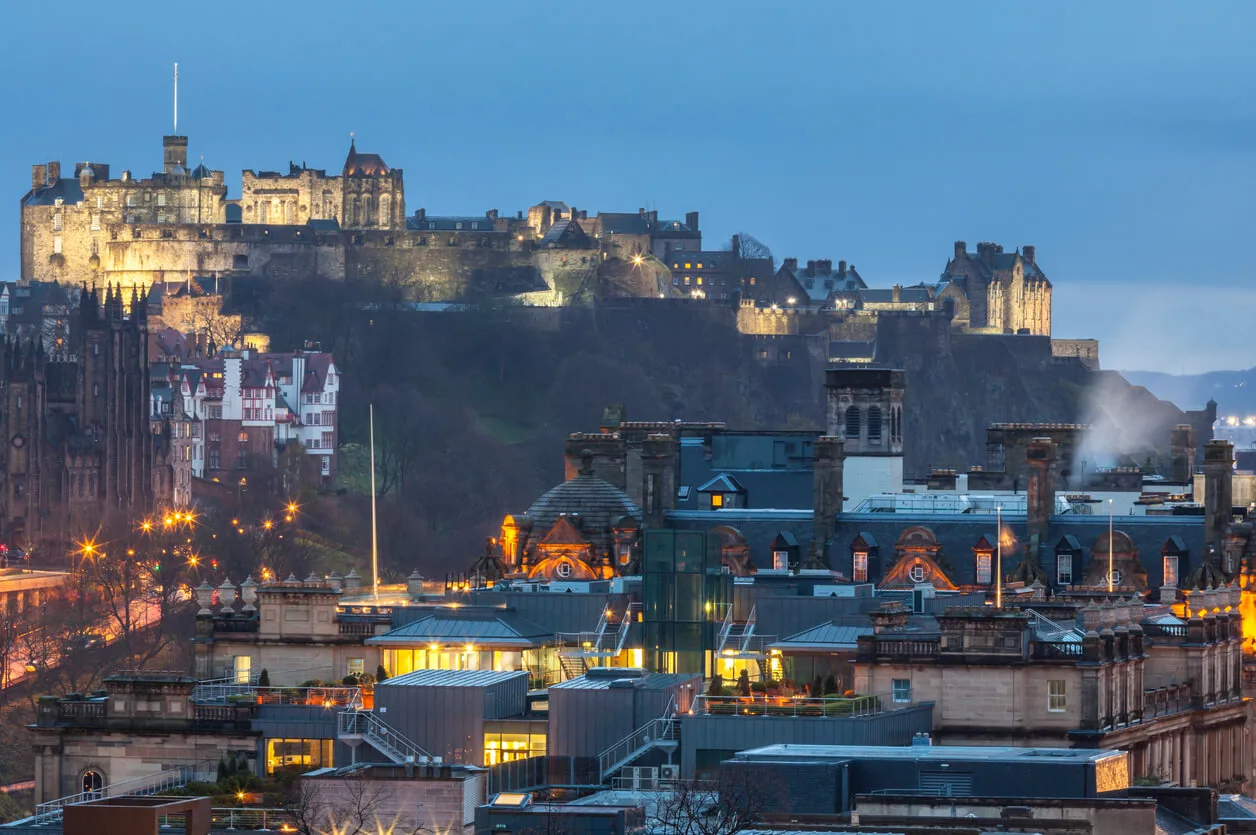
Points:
(604, 678)
(827, 753)
(452, 678)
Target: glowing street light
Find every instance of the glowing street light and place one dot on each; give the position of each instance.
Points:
(637, 260)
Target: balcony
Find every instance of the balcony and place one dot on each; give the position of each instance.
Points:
(844, 707)
(235, 625)
(1165, 701)
(94, 714)
(1056, 650)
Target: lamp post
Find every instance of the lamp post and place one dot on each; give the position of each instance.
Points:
(1109, 546)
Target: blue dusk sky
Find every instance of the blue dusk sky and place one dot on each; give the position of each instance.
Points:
(1118, 137)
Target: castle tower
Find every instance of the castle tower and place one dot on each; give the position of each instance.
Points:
(174, 154)
(865, 411)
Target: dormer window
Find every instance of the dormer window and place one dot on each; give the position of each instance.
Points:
(859, 568)
(717, 501)
(1170, 570)
(780, 560)
(984, 561)
(917, 573)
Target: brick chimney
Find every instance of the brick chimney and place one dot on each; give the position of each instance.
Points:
(841, 268)
(39, 177)
(811, 268)
(1182, 452)
(54, 171)
(1218, 492)
(961, 249)
(896, 293)
(790, 264)
(691, 220)
(1027, 252)
(653, 217)
(827, 498)
(658, 467)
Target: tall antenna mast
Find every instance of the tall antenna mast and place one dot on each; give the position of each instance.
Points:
(374, 539)
(176, 98)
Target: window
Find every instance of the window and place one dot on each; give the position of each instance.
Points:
(854, 423)
(917, 573)
(900, 690)
(357, 666)
(100, 202)
(861, 567)
(1170, 570)
(56, 222)
(983, 568)
(1116, 577)
(1056, 701)
(303, 754)
(780, 560)
(243, 437)
(717, 501)
(130, 201)
(93, 781)
(161, 198)
(1064, 569)
(327, 442)
(317, 419)
(874, 425)
(506, 741)
(242, 667)
(688, 266)
(56, 245)
(95, 222)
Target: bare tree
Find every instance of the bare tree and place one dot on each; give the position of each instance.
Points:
(747, 247)
(347, 807)
(700, 807)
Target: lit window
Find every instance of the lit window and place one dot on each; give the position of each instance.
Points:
(699, 266)
(751, 281)
(676, 266)
(1056, 701)
(688, 266)
(699, 278)
(1064, 569)
(302, 754)
(243, 668)
(917, 573)
(717, 500)
(161, 198)
(861, 567)
(56, 245)
(983, 568)
(780, 560)
(1170, 570)
(900, 690)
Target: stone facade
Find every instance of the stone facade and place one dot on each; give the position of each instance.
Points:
(997, 292)
(1170, 695)
(78, 429)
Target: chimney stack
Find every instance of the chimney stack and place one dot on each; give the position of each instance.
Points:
(828, 462)
(790, 264)
(691, 220)
(896, 293)
(1182, 450)
(658, 465)
(1218, 493)
(841, 268)
(1040, 454)
(1027, 252)
(54, 171)
(39, 177)
(961, 249)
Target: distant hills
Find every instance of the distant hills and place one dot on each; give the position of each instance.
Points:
(1234, 391)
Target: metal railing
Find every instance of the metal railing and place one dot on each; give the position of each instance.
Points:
(756, 704)
(332, 696)
(172, 778)
(382, 736)
(625, 625)
(663, 729)
(243, 817)
(1048, 627)
(1045, 650)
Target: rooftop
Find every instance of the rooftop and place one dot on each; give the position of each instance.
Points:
(451, 678)
(940, 753)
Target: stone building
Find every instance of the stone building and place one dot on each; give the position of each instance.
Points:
(997, 292)
(366, 194)
(74, 228)
(78, 423)
(1167, 689)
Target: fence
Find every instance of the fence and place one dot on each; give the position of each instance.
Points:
(763, 705)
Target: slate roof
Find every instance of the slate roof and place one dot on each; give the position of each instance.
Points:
(649, 681)
(450, 223)
(598, 503)
(907, 295)
(66, 188)
(494, 628)
(822, 283)
(768, 473)
(324, 224)
(832, 636)
(623, 223)
(757, 527)
(450, 678)
(722, 483)
(957, 533)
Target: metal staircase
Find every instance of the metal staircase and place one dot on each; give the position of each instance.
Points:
(358, 726)
(173, 778)
(739, 640)
(661, 734)
(606, 641)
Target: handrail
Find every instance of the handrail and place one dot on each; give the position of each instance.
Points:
(380, 734)
(1049, 626)
(172, 778)
(747, 631)
(625, 625)
(832, 707)
(725, 628)
(661, 728)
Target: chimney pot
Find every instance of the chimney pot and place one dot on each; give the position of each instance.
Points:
(961, 249)
(841, 268)
(1027, 252)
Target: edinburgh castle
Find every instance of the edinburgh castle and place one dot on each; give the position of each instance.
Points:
(94, 229)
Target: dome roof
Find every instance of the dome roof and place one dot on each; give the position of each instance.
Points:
(598, 503)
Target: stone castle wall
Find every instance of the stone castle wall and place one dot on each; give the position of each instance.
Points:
(1086, 350)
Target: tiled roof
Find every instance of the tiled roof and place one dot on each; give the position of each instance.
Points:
(500, 628)
(623, 223)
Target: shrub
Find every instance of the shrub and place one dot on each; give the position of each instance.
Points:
(380, 673)
(263, 678)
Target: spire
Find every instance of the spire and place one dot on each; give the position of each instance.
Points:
(351, 160)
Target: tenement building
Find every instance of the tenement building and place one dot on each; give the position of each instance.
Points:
(1075, 673)
(78, 429)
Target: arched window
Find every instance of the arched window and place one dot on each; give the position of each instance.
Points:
(874, 425)
(93, 781)
(917, 573)
(276, 211)
(289, 211)
(353, 211)
(854, 422)
(385, 210)
(368, 211)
